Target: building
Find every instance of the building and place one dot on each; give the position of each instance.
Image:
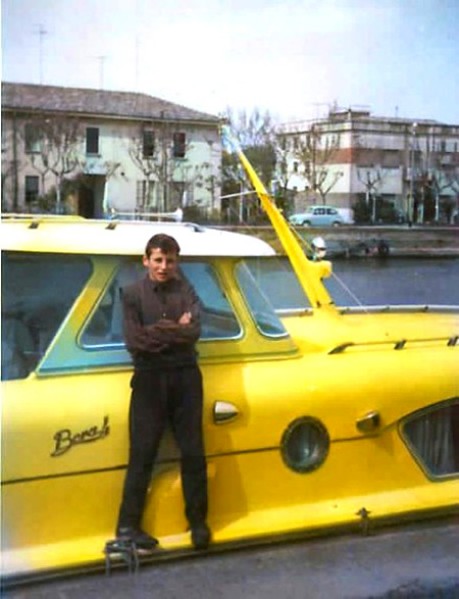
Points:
(95, 152)
(388, 168)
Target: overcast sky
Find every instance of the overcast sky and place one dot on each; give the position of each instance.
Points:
(293, 58)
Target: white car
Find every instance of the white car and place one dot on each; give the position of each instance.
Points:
(318, 216)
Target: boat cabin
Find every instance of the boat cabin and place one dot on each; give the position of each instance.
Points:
(313, 415)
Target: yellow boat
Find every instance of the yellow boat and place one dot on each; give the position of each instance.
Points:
(316, 418)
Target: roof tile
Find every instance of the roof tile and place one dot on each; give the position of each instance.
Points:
(27, 96)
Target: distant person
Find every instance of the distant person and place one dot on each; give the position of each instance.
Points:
(161, 318)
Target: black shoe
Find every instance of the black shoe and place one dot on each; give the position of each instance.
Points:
(141, 539)
(200, 536)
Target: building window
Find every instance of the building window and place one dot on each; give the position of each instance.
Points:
(176, 198)
(144, 194)
(92, 140)
(4, 139)
(32, 139)
(148, 147)
(141, 192)
(179, 143)
(31, 188)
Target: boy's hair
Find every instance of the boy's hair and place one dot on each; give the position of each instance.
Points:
(165, 243)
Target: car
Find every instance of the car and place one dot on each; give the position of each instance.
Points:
(318, 216)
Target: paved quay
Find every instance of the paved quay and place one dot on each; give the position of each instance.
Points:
(422, 241)
(412, 562)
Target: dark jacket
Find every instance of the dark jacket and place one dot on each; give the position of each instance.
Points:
(150, 320)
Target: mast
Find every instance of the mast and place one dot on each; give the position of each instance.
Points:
(308, 273)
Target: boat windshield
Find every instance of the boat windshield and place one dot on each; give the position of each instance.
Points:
(261, 308)
(278, 282)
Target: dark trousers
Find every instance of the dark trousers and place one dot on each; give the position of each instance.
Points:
(175, 396)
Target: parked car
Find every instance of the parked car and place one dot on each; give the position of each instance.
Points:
(318, 216)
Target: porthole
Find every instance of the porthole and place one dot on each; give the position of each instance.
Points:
(305, 444)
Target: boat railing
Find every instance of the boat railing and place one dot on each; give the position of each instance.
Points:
(402, 308)
(396, 344)
(397, 308)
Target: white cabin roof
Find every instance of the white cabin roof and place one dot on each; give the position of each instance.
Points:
(76, 235)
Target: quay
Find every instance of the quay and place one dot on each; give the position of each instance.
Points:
(350, 241)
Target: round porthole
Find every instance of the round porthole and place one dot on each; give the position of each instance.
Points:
(305, 444)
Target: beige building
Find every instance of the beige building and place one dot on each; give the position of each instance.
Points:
(385, 164)
(97, 152)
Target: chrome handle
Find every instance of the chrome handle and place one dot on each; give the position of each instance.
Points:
(223, 412)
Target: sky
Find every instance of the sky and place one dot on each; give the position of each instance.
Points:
(295, 59)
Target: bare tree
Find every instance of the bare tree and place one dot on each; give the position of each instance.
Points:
(371, 178)
(314, 151)
(284, 188)
(59, 139)
(256, 134)
(144, 153)
(193, 178)
(9, 171)
(110, 167)
(437, 175)
(252, 130)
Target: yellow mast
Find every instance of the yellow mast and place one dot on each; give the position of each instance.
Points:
(308, 273)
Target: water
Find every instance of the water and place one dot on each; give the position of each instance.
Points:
(396, 281)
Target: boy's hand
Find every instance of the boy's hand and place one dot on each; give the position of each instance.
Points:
(185, 318)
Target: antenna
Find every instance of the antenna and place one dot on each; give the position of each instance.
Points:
(41, 32)
(137, 63)
(318, 105)
(138, 17)
(101, 60)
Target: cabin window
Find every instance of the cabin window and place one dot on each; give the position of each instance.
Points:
(38, 290)
(277, 281)
(218, 321)
(433, 437)
(259, 305)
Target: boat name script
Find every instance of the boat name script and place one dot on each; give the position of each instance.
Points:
(65, 440)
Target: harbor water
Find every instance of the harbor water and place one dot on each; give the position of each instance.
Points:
(395, 281)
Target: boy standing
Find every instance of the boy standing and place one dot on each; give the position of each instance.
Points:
(161, 326)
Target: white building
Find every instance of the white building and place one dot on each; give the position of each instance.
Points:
(105, 152)
(351, 157)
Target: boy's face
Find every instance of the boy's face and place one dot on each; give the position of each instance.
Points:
(161, 266)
